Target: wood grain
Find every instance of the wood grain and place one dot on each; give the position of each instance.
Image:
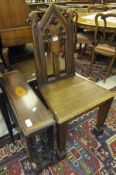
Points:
(24, 104)
(72, 96)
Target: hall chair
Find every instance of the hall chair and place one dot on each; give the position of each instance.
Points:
(104, 42)
(67, 96)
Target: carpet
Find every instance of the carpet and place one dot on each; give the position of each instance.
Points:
(86, 154)
(82, 63)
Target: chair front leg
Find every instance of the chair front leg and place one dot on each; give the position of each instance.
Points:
(102, 114)
(109, 67)
(61, 139)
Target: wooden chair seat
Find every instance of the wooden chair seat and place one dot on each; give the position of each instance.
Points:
(72, 96)
(105, 49)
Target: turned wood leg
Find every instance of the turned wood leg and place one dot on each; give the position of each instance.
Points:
(61, 139)
(102, 114)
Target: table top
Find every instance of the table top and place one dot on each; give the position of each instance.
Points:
(73, 96)
(30, 112)
(87, 21)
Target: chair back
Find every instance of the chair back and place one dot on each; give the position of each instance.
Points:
(101, 35)
(54, 45)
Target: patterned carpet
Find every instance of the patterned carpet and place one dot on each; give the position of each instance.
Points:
(87, 155)
(98, 71)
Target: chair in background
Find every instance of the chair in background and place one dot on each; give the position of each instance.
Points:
(87, 37)
(105, 44)
(81, 37)
(66, 95)
(14, 30)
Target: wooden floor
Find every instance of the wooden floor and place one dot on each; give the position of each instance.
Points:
(28, 69)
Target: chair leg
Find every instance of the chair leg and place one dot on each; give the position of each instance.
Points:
(109, 67)
(102, 114)
(80, 46)
(61, 139)
(92, 61)
(4, 55)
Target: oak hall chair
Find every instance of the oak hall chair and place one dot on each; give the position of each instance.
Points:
(105, 43)
(14, 30)
(66, 95)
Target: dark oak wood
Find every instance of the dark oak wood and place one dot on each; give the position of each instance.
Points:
(24, 101)
(53, 29)
(69, 96)
(103, 110)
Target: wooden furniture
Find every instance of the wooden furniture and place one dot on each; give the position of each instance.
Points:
(97, 7)
(87, 21)
(68, 96)
(84, 37)
(14, 29)
(104, 44)
(81, 37)
(33, 119)
(5, 111)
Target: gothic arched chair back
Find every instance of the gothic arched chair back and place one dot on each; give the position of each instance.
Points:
(53, 40)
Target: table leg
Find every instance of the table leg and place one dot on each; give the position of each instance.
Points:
(29, 142)
(102, 114)
(50, 134)
(61, 139)
(6, 114)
